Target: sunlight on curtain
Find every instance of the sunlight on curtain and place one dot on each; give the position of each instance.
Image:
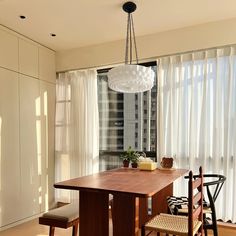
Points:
(197, 117)
(77, 128)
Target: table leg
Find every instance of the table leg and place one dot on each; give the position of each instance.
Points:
(143, 211)
(93, 213)
(125, 215)
(159, 204)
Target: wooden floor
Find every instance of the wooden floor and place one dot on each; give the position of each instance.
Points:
(32, 228)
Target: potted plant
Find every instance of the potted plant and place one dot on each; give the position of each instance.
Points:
(129, 156)
(134, 159)
(126, 161)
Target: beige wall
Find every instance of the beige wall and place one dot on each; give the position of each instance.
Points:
(151, 46)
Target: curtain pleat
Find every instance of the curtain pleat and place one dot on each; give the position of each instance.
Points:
(197, 118)
(77, 128)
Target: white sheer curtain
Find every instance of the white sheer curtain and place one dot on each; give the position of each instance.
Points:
(77, 128)
(197, 117)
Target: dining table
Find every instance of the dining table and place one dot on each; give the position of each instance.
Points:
(130, 188)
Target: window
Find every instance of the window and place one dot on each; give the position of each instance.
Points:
(125, 120)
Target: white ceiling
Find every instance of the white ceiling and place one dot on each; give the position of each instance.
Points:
(79, 23)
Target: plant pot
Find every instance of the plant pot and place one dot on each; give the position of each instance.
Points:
(134, 165)
(126, 163)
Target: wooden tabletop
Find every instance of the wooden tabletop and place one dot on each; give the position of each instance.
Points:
(125, 180)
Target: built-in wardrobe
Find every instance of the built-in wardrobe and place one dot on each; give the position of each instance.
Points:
(27, 111)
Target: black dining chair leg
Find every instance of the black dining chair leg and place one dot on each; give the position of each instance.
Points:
(215, 230)
(213, 214)
(214, 222)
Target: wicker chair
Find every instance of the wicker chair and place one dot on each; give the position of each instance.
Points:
(213, 184)
(182, 225)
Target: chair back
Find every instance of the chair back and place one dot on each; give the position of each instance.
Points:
(195, 205)
(213, 184)
(212, 180)
(215, 181)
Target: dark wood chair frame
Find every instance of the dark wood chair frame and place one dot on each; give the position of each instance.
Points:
(195, 206)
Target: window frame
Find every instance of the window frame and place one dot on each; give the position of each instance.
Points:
(152, 154)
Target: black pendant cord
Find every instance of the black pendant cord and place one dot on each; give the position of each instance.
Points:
(130, 40)
(135, 45)
(130, 7)
(130, 36)
(127, 43)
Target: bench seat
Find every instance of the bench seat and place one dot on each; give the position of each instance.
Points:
(62, 217)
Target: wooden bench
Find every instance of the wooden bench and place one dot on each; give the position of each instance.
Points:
(62, 217)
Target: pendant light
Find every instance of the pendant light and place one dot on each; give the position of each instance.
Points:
(130, 78)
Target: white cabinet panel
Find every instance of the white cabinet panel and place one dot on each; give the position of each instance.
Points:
(27, 113)
(8, 51)
(30, 146)
(9, 148)
(28, 58)
(47, 94)
(47, 69)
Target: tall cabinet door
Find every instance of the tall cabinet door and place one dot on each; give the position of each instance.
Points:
(47, 65)
(30, 149)
(9, 148)
(47, 94)
(8, 50)
(28, 58)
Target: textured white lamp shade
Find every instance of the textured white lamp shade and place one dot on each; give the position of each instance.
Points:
(130, 78)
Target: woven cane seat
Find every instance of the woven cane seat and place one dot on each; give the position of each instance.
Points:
(172, 224)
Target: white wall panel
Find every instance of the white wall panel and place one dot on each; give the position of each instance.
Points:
(28, 58)
(8, 50)
(30, 148)
(47, 69)
(9, 148)
(27, 113)
(47, 94)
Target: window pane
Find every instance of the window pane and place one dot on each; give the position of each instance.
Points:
(126, 119)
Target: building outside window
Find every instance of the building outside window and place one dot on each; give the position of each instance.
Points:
(125, 120)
